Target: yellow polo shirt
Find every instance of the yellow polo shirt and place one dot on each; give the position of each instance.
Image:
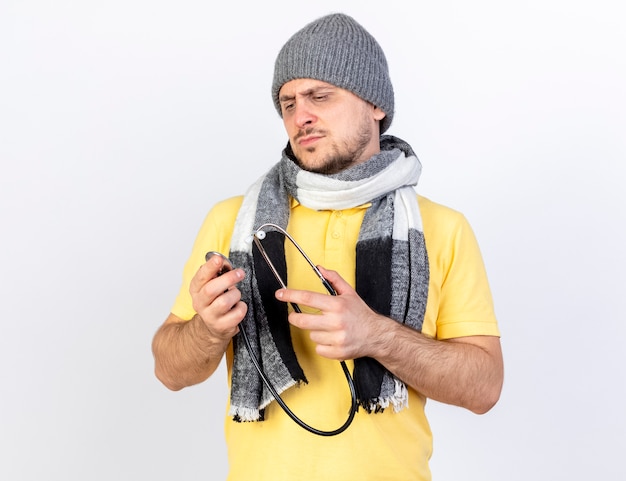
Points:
(384, 446)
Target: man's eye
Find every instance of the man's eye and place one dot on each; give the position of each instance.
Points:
(288, 107)
(320, 98)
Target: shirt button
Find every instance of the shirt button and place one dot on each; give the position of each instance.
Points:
(338, 213)
(336, 235)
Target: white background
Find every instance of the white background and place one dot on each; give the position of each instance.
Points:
(122, 122)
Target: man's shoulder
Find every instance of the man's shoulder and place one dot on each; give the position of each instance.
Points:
(435, 211)
(227, 207)
(445, 228)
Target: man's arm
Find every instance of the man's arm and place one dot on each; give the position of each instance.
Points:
(465, 372)
(185, 353)
(188, 352)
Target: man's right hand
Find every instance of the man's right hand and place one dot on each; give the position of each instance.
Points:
(187, 352)
(216, 298)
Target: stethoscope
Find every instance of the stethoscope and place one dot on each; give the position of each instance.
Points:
(257, 236)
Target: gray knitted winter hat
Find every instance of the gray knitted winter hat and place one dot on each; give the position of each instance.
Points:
(338, 50)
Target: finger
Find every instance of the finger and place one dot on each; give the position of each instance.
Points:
(215, 290)
(304, 298)
(225, 300)
(226, 325)
(210, 273)
(228, 280)
(205, 273)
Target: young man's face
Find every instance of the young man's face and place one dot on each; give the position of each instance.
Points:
(329, 128)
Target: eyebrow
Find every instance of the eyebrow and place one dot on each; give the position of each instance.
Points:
(306, 93)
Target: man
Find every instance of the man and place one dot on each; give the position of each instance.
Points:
(412, 316)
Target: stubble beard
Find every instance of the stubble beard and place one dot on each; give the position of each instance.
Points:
(339, 160)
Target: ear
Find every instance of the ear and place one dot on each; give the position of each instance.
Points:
(379, 114)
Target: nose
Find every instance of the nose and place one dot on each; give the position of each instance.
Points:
(303, 116)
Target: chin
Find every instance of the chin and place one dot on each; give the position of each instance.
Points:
(308, 161)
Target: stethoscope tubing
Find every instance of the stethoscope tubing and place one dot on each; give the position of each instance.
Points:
(289, 412)
(257, 236)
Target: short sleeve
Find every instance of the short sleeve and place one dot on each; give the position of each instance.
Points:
(459, 302)
(214, 235)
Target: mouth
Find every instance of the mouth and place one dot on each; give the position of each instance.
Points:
(307, 138)
(308, 141)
